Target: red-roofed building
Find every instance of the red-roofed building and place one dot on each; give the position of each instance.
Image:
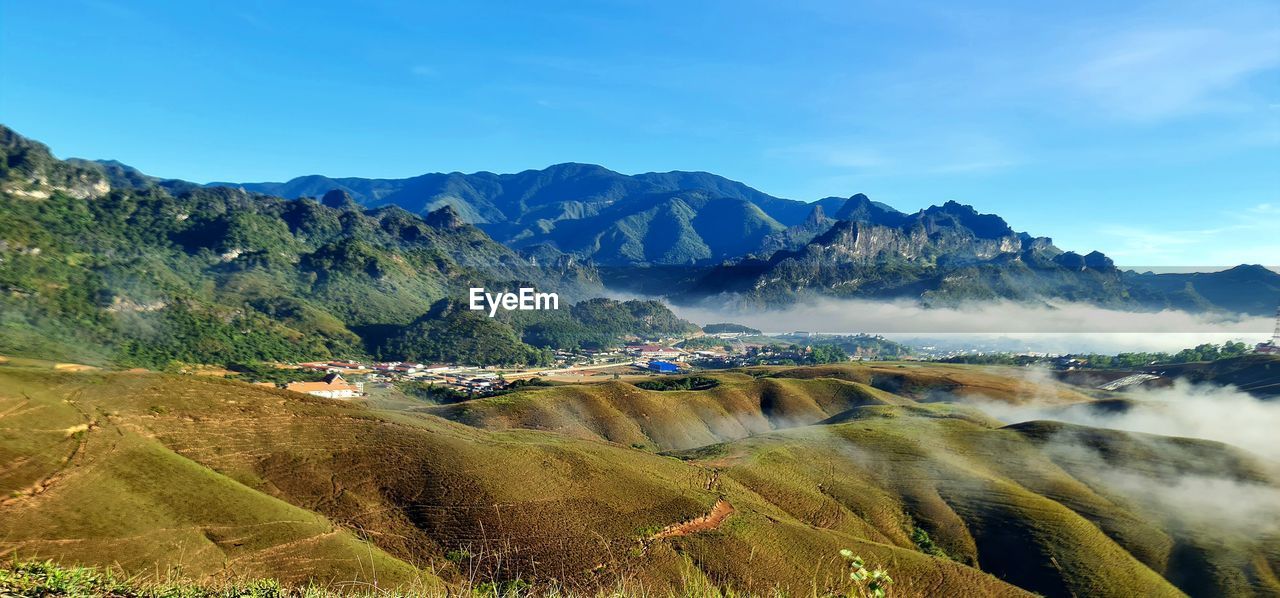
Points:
(332, 387)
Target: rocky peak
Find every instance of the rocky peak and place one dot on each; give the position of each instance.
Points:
(445, 217)
(28, 169)
(860, 208)
(817, 217)
(955, 214)
(1094, 260)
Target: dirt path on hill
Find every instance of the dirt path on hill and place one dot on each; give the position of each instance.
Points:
(712, 520)
(80, 433)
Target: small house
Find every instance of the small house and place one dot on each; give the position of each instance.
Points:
(333, 387)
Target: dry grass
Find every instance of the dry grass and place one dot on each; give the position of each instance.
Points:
(212, 479)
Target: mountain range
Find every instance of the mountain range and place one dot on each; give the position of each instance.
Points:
(150, 272)
(951, 254)
(693, 235)
(739, 482)
(652, 218)
(96, 252)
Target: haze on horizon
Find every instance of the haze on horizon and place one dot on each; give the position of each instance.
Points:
(1149, 132)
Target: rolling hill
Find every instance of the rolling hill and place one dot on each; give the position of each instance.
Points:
(778, 470)
(742, 405)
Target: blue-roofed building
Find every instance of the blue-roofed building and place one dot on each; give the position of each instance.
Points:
(663, 367)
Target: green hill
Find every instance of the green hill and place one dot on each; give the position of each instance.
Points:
(96, 269)
(151, 471)
(741, 405)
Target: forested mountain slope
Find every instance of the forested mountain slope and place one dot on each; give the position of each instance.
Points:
(150, 272)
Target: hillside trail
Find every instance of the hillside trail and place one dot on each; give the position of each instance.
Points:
(711, 521)
(79, 434)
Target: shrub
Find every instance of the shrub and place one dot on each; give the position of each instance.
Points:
(685, 383)
(864, 583)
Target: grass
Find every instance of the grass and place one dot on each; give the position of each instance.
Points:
(736, 406)
(156, 475)
(48, 579)
(45, 578)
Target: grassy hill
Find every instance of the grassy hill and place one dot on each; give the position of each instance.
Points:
(151, 471)
(220, 480)
(745, 403)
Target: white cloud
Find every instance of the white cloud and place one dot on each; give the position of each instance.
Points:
(842, 156)
(1154, 74)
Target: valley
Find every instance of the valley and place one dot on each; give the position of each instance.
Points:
(639, 300)
(228, 383)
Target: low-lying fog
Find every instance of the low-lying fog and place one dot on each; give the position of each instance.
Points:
(1208, 412)
(1249, 508)
(1207, 499)
(999, 325)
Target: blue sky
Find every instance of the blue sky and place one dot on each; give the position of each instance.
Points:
(1150, 131)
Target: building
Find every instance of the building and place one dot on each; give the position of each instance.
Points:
(663, 367)
(332, 387)
(656, 352)
(332, 366)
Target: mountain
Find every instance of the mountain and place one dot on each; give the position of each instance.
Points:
(1251, 289)
(508, 197)
(668, 228)
(529, 208)
(694, 235)
(29, 170)
(860, 208)
(794, 237)
(952, 253)
(100, 263)
(691, 235)
(750, 488)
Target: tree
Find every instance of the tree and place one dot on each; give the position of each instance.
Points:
(829, 354)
